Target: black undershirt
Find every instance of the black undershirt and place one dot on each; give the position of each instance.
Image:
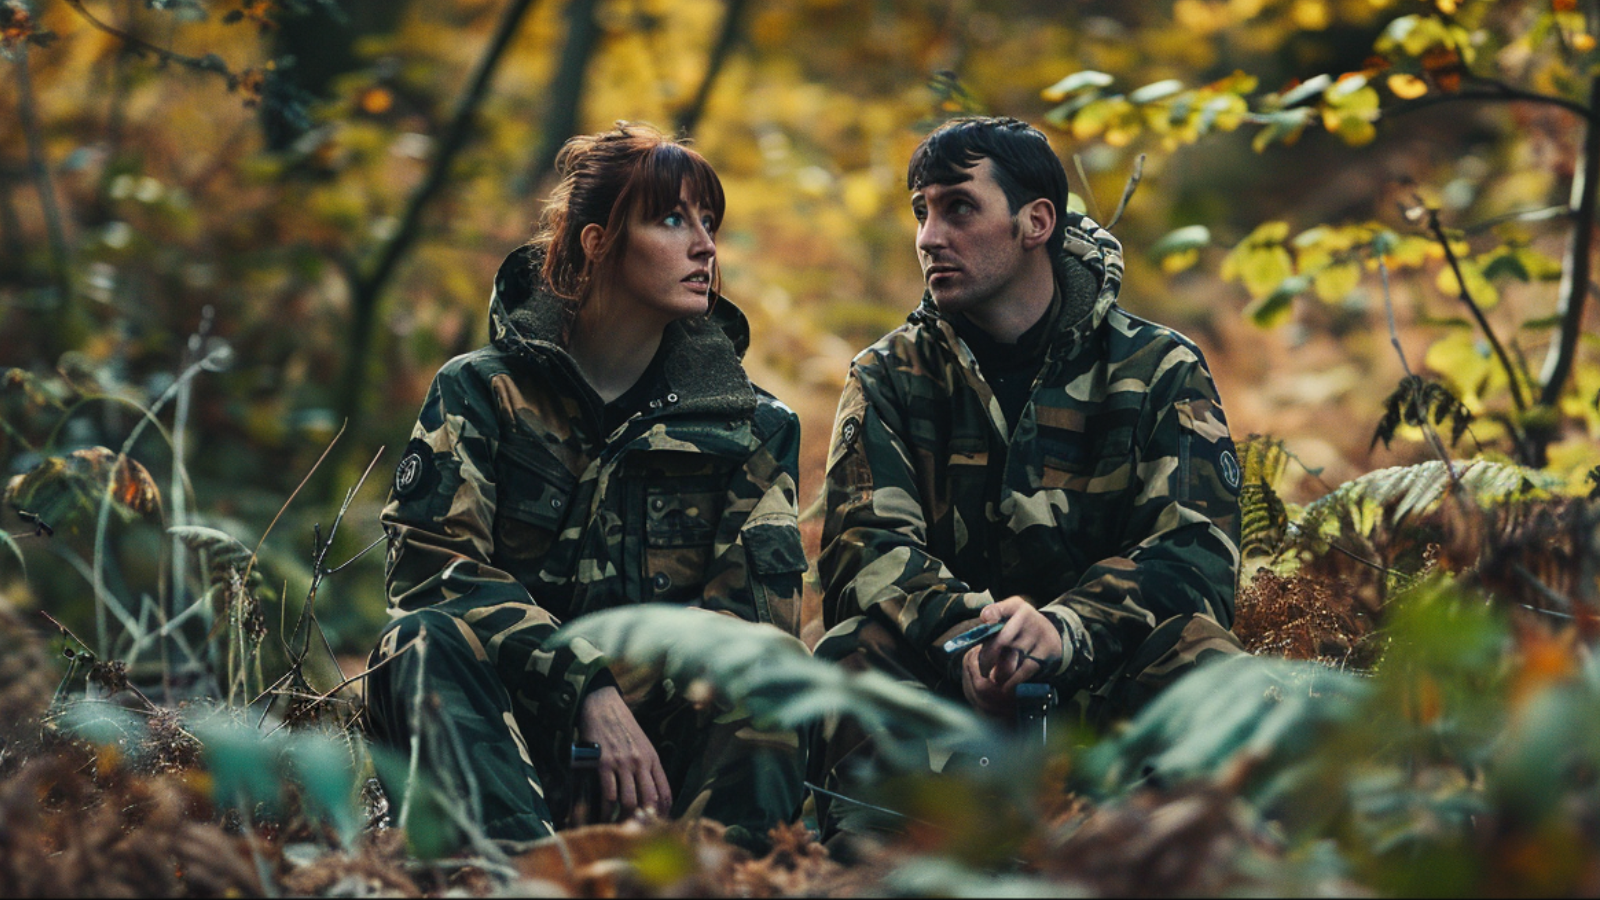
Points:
(1010, 369)
(636, 399)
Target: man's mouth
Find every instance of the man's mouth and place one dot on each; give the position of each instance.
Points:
(936, 271)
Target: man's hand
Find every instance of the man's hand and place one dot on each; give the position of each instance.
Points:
(991, 671)
(631, 776)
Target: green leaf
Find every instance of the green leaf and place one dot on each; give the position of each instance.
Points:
(1305, 90)
(1270, 311)
(1153, 92)
(1244, 710)
(1189, 237)
(1074, 83)
(1285, 126)
(327, 775)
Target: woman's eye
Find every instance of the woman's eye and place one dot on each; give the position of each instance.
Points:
(673, 218)
(709, 225)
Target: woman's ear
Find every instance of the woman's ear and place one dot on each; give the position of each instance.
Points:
(590, 238)
(1038, 220)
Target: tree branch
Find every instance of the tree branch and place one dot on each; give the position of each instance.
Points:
(1494, 92)
(208, 63)
(368, 289)
(732, 24)
(1575, 273)
(566, 93)
(1477, 312)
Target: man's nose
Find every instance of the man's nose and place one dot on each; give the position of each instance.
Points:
(930, 236)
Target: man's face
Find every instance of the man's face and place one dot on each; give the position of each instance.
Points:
(967, 241)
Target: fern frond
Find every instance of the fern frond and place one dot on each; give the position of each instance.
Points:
(773, 676)
(1264, 521)
(1389, 498)
(224, 552)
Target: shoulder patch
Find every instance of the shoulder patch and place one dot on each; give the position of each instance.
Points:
(1228, 467)
(416, 473)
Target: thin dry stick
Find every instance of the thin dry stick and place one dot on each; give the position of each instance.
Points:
(317, 699)
(1088, 191)
(292, 494)
(1477, 312)
(208, 63)
(1127, 192)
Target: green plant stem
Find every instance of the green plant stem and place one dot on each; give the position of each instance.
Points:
(1512, 376)
(1575, 273)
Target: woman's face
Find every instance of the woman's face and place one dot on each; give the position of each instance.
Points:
(666, 266)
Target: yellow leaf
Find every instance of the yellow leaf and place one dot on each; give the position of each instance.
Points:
(1483, 292)
(1407, 87)
(1335, 282)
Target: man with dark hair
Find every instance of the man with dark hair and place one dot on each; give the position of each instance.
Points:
(1023, 451)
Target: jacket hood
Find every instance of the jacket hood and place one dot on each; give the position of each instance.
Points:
(1080, 314)
(703, 355)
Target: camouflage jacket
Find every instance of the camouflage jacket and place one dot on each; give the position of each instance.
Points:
(512, 510)
(1112, 506)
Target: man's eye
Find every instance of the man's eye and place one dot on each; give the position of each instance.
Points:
(920, 213)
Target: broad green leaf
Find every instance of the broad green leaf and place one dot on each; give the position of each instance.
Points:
(1077, 81)
(1262, 269)
(1504, 265)
(1223, 113)
(1465, 363)
(1347, 90)
(327, 777)
(772, 675)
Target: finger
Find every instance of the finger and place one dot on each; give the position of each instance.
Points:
(628, 794)
(663, 790)
(1025, 672)
(608, 795)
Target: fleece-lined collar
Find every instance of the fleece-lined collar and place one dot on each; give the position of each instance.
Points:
(702, 356)
(1079, 313)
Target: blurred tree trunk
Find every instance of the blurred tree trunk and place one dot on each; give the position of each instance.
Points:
(566, 93)
(732, 27)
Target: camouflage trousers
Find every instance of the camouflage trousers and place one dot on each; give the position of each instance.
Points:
(510, 771)
(843, 759)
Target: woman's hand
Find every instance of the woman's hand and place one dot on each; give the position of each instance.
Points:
(631, 776)
(991, 671)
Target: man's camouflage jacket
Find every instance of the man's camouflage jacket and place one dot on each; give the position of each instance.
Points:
(1112, 504)
(512, 511)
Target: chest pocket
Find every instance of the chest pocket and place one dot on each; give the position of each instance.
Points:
(681, 518)
(534, 495)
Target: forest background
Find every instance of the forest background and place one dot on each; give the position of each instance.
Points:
(322, 192)
(238, 238)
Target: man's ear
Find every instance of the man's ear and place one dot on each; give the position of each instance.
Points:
(1038, 221)
(590, 239)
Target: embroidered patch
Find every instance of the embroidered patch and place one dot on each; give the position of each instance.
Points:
(1228, 468)
(848, 432)
(416, 472)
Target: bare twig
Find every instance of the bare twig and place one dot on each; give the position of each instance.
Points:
(208, 63)
(1491, 91)
(1512, 375)
(1088, 191)
(1127, 192)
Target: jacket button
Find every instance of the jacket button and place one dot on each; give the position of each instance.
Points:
(662, 581)
(658, 504)
(555, 502)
